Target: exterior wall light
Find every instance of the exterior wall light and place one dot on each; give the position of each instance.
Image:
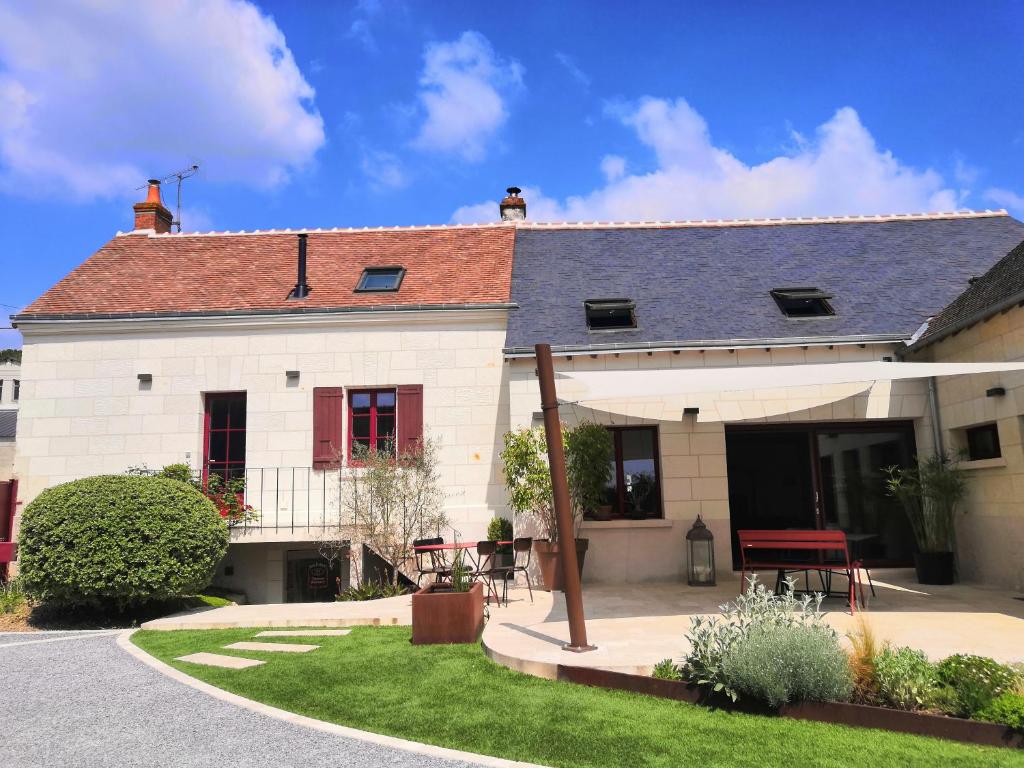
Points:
(146, 378)
(692, 411)
(995, 392)
(291, 375)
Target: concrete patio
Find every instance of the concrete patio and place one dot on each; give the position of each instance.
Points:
(636, 625)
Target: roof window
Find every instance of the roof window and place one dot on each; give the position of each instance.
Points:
(803, 302)
(610, 314)
(378, 279)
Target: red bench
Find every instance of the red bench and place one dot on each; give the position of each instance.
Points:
(775, 545)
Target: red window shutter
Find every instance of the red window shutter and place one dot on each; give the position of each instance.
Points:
(410, 417)
(327, 426)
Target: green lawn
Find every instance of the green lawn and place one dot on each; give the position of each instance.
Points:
(454, 696)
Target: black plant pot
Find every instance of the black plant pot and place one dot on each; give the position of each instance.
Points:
(934, 567)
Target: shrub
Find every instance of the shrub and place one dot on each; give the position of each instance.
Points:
(500, 529)
(666, 669)
(864, 649)
(779, 664)
(371, 590)
(1007, 708)
(119, 541)
(906, 679)
(711, 637)
(12, 596)
(977, 680)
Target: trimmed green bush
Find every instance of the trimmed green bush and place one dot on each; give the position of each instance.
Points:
(119, 541)
(977, 680)
(666, 669)
(1007, 709)
(906, 679)
(779, 664)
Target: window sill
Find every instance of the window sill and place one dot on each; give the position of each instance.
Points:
(984, 463)
(605, 525)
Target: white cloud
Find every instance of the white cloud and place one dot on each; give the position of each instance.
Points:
(1005, 198)
(573, 68)
(96, 97)
(383, 170)
(464, 89)
(613, 167)
(364, 12)
(839, 170)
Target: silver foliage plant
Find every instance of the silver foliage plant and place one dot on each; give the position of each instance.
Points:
(757, 610)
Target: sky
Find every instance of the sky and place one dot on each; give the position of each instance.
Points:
(378, 112)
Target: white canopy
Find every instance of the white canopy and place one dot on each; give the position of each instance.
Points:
(624, 385)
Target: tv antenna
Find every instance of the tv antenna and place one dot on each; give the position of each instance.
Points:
(178, 176)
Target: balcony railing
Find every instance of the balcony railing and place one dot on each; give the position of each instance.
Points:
(292, 498)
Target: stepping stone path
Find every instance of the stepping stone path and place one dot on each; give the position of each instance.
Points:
(303, 633)
(219, 660)
(273, 647)
(238, 662)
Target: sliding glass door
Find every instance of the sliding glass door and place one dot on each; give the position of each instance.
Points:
(825, 476)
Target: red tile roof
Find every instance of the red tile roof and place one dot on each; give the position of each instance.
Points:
(213, 273)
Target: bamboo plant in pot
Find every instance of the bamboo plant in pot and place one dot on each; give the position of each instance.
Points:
(930, 492)
(588, 454)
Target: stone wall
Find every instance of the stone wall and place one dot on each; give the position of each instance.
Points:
(990, 536)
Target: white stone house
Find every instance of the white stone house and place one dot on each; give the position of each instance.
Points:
(10, 395)
(194, 348)
(161, 345)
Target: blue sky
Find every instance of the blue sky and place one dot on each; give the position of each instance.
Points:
(377, 113)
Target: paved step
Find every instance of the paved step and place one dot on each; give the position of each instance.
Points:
(219, 660)
(303, 633)
(278, 647)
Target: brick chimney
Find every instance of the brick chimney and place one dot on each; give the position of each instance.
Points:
(151, 213)
(513, 207)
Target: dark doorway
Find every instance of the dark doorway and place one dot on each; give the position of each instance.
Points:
(770, 482)
(823, 476)
(311, 579)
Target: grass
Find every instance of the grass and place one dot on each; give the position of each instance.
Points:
(454, 696)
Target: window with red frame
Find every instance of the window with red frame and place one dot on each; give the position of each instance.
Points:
(224, 438)
(371, 421)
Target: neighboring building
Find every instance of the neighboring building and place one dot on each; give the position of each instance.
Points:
(715, 294)
(166, 348)
(10, 395)
(206, 348)
(982, 418)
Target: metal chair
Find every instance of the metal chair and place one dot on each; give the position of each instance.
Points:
(485, 568)
(430, 562)
(520, 564)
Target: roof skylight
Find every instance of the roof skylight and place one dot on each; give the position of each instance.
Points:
(380, 279)
(803, 302)
(610, 314)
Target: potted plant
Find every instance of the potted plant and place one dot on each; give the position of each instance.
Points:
(930, 492)
(449, 613)
(500, 529)
(588, 452)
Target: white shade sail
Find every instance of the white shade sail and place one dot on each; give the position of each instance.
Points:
(623, 385)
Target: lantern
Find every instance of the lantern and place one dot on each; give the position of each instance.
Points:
(700, 555)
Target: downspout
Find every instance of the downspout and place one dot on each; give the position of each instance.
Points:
(933, 401)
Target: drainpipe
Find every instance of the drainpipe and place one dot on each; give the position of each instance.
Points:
(933, 401)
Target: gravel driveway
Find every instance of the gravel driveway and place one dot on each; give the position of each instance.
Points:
(77, 699)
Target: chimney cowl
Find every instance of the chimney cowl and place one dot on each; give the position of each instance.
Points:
(513, 207)
(151, 213)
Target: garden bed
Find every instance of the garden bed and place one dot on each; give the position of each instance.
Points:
(838, 713)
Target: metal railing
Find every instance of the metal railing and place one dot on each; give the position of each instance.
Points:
(292, 498)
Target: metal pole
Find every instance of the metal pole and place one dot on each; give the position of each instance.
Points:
(563, 510)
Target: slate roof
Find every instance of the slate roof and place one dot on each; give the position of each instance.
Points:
(8, 423)
(998, 289)
(196, 274)
(709, 284)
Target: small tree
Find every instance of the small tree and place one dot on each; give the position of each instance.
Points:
(389, 502)
(930, 492)
(588, 455)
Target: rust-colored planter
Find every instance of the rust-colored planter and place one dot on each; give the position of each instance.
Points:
(549, 565)
(442, 616)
